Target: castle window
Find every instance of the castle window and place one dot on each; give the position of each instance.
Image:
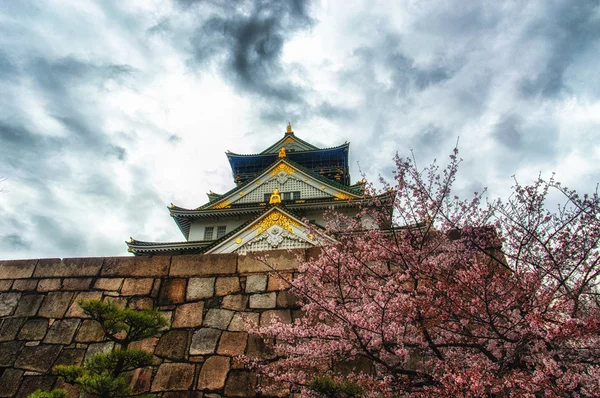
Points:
(208, 233)
(287, 195)
(221, 231)
(267, 197)
(296, 195)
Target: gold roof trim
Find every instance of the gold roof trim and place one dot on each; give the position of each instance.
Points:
(275, 218)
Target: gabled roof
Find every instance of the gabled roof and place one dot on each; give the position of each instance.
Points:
(284, 164)
(290, 139)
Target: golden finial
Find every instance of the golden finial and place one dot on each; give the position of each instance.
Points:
(282, 152)
(289, 128)
(131, 240)
(171, 206)
(275, 197)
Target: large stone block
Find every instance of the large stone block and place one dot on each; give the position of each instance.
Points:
(214, 373)
(279, 281)
(285, 299)
(188, 315)
(90, 332)
(55, 304)
(47, 285)
(8, 303)
(10, 328)
(9, 352)
(69, 267)
(5, 284)
(97, 348)
(76, 283)
(204, 341)
(34, 329)
(204, 265)
(243, 321)
(173, 376)
(277, 260)
(137, 286)
(108, 283)
(267, 317)
(62, 331)
(241, 384)
(218, 318)
(172, 345)
(226, 285)
(17, 269)
(35, 382)
(73, 356)
(265, 300)
(256, 283)
(172, 291)
(75, 310)
(10, 381)
(39, 358)
(140, 380)
(200, 288)
(238, 302)
(154, 266)
(29, 304)
(24, 285)
(232, 343)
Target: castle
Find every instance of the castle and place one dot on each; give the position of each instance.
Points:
(278, 202)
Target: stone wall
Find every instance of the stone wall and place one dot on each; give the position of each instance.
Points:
(206, 299)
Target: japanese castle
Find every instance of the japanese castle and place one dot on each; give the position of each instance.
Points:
(278, 202)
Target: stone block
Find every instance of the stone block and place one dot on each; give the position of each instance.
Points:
(227, 285)
(260, 348)
(243, 321)
(47, 285)
(172, 291)
(241, 384)
(35, 382)
(141, 303)
(285, 299)
(218, 318)
(232, 343)
(29, 304)
(55, 304)
(76, 283)
(188, 315)
(173, 376)
(17, 269)
(265, 300)
(153, 266)
(137, 287)
(213, 373)
(39, 358)
(10, 328)
(237, 302)
(203, 265)
(200, 288)
(72, 356)
(267, 317)
(256, 283)
(278, 260)
(34, 329)
(75, 310)
(8, 303)
(186, 394)
(173, 345)
(279, 281)
(97, 348)
(141, 379)
(10, 381)
(25, 285)
(147, 345)
(62, 331)
(108, 283)
(9, 352)
(5, 284)
(68, 267)
(204, 341)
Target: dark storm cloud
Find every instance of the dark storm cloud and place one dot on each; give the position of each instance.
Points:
(569, 29)
(248, 38)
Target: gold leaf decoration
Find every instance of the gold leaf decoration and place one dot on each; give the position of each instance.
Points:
(342, 196)
(222, 205)
(275, 218)
(283, 167)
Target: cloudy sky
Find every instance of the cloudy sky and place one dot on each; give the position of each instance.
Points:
(110, 110)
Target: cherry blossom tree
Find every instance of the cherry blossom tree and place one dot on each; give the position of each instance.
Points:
(458, 297)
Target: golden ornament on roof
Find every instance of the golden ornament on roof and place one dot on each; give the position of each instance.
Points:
(282, 152)
(289, 128)
(275, 197)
